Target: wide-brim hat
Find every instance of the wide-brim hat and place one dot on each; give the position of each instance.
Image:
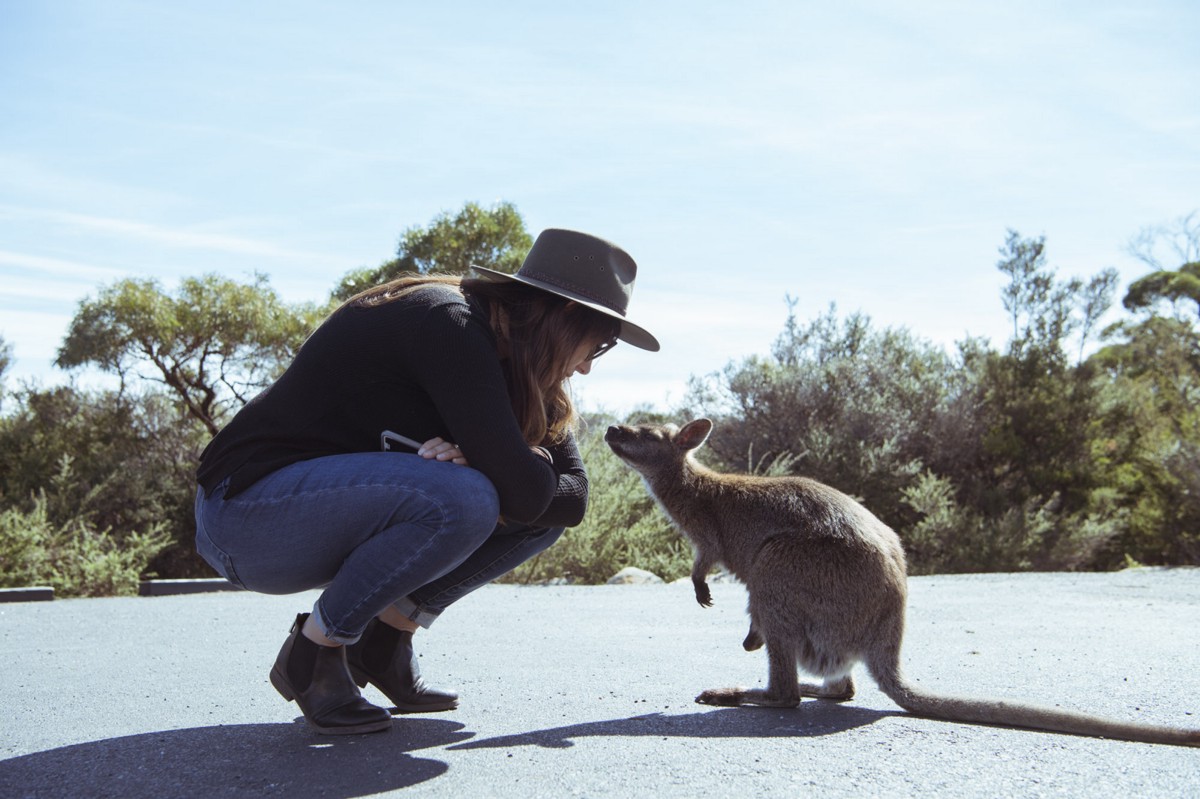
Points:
(584, 268)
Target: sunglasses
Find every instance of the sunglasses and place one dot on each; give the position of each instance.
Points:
(602, 348)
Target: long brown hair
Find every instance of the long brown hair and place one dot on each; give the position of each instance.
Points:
(537, 334)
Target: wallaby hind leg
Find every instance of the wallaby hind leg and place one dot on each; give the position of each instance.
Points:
(783, 689)
(834, 689)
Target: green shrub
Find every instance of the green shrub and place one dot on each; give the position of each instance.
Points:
(623, 527)
(131, 459)
(73, 557)
(1035, 534)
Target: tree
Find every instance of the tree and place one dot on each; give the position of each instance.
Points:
(1179, 285)
(983, 461)
(494, 238)
(1045, 311)
(5, 362)
(1038, 404)
(213, 344)
(1152, 373)
(1181, 241)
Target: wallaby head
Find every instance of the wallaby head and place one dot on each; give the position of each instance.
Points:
(826, 582)
(657, 449)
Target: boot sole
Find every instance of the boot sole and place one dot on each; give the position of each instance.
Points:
(360, 729)
(361, 680)
(438, 708)
(285, 690)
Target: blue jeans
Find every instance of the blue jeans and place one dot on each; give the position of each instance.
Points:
(373, 529)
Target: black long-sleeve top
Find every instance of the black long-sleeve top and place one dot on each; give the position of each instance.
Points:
(423, 366)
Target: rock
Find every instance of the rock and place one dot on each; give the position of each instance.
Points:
(632, 575)
(721, 575)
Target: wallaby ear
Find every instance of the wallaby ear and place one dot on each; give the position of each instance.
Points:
(693, 434)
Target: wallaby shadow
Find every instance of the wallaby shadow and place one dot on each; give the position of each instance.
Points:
(811, 719)
(236, 760)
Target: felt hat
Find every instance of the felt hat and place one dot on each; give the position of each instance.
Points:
(584, 268)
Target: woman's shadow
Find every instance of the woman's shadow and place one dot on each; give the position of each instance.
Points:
(289, 760)
(235, 760)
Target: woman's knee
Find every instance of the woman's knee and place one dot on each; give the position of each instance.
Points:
(470, 499)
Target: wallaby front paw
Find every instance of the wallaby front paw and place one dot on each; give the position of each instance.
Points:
(703, 595)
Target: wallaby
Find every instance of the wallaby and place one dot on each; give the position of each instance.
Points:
(827, 585)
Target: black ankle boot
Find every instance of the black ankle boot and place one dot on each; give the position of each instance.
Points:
(317, 678)
(384, 657)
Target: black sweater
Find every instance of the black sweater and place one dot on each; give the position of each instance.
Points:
(422, 366)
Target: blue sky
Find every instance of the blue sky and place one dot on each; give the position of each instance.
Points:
(868, 154)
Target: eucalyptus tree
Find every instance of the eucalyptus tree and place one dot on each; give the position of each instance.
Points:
(494, 237)
(213, 343)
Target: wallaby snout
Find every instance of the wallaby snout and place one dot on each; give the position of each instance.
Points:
(616, 432)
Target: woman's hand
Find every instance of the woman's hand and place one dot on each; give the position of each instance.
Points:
(442, 450)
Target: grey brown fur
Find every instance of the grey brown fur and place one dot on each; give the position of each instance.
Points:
(827, 585)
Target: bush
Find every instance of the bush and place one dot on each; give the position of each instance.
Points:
(131, 465)
(623, 527)
(845, 403)
(73, 557)
(1034, 534)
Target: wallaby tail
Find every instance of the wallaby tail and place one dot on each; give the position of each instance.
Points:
(1013, 714)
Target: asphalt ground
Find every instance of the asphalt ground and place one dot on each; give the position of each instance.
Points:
(588, 691)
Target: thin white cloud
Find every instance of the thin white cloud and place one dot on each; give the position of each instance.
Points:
(182, 238)
(34, 181)
(44, 267)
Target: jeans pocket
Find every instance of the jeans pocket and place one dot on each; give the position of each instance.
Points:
(213, 555)
(217, 558)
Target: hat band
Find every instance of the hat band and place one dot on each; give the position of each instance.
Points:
(558, 282)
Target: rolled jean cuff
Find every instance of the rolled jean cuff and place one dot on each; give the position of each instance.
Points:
(327, 629)
(416, 613)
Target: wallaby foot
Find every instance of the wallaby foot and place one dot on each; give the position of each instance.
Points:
(736, 697)
(835, 690)
(725, 697)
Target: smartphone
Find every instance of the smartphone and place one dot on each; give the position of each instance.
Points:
(394, 442)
